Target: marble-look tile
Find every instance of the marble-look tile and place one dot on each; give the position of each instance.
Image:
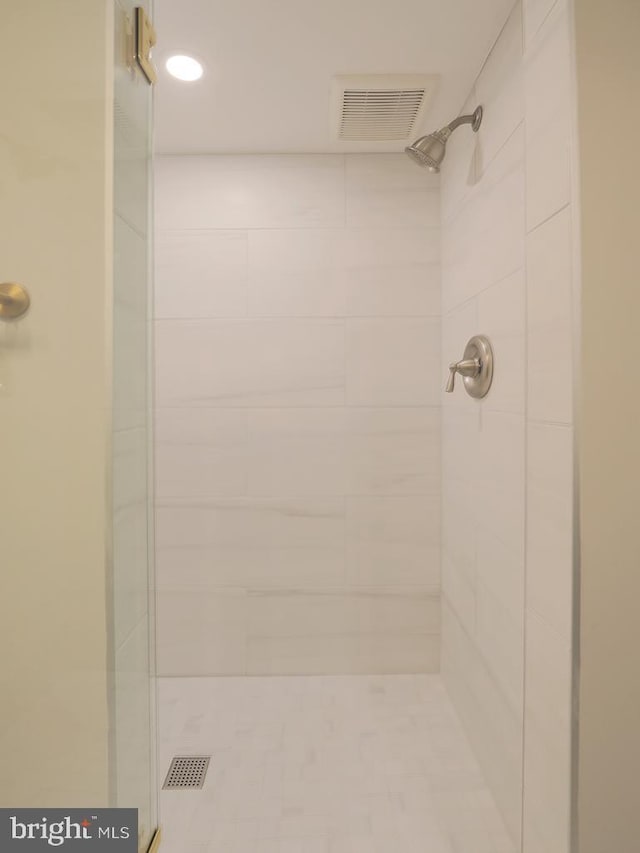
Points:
(201, 452)
(345, 654)
(392, 271)
(386, 190)
(249, 191)
(548, 89)
(200, 274)
(547, 757)
(201, 632)
(386, 358)
(249, 522)
(535, 13)
(393, 451)
(291, 542)
(501, 477)
(483, 442)
(500, 567)
(493, 726)
(461, 428)
(501, 317)
(459, 589)
(275, 565)
(500, 90)
(550, 525)
(462, 167)
(296, 273)
(257, 450)
(500, 640)
(497, 185)
(293, 845)
(298, 451)
(484, 241)
(266, 362)
(394, 541)
(460, 454)
(326, 613)
(489, 493)
(357, 764)
(550, 320)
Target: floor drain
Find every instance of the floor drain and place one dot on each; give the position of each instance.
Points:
(187, 771)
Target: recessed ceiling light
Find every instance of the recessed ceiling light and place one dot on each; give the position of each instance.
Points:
(184, 68)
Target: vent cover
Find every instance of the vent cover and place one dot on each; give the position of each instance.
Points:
(187, 772)
(380, 107)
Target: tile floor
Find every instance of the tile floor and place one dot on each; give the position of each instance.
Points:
(323, 764)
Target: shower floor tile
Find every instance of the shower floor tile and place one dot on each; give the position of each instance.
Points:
(323, 764)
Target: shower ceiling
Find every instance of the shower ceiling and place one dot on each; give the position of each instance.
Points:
(269, 66)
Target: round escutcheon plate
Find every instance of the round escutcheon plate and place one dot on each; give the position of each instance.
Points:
(479, 347)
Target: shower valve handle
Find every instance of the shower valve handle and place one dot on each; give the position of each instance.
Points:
(476, 367)
(466, 367)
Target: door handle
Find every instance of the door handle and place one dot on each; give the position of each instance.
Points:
(14, 301)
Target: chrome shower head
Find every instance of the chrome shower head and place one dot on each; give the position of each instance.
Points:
(429, 151)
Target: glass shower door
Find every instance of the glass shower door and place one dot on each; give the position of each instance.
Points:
(133, 743)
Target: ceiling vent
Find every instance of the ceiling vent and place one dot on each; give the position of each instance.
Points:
(380, 107)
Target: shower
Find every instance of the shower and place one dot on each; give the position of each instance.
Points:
(430, 150)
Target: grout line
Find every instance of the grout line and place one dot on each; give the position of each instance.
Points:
(548, 423)
(344, 190)
(240, 229)
(464, 304)
(276, 318)
(564, 639)
(533, 37)
(523, 798)
(376, 407)
(516, 4)
(548, 218)
(468, 195)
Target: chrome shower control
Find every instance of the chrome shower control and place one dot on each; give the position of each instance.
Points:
(476, 368)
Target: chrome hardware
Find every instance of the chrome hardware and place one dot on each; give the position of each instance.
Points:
(468, 367)
(476, 368)
(14, 301)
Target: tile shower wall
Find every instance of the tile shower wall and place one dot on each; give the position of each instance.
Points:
(507, 460)
(298, 422)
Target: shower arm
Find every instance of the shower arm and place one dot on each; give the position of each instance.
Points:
(460, 120)
(474, 119)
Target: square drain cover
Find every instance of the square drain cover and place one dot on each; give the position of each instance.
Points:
(187, 771)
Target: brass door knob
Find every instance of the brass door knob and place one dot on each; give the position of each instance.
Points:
(14, 301)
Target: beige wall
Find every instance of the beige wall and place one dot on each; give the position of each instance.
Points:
(55, 223)
(607, 37)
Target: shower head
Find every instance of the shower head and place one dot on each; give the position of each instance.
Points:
(429, 151)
